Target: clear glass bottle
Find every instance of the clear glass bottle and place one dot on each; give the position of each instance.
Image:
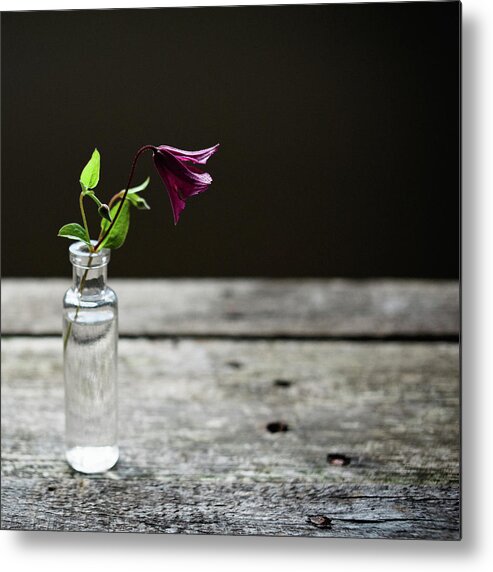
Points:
(90, 337)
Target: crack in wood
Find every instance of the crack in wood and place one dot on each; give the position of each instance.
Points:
(438, 337)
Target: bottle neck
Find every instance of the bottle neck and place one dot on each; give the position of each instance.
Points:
(89, 270)
(89, 282)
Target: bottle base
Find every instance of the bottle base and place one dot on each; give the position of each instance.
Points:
(92, 459)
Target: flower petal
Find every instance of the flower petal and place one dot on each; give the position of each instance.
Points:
(177, 203)
(181, 177)
(189, 179)
(198, 157)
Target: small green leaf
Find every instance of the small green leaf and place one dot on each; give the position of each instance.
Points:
(74, 231)
(89, 177)
(139, 188)
(118, 233)
(138, 201)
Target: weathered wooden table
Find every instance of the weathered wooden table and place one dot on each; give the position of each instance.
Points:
(294, 407)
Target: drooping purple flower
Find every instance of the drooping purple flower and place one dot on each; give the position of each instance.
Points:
(181, 177)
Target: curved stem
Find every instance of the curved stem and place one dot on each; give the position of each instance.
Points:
(115, 218)
(115, 198)
(94, 198)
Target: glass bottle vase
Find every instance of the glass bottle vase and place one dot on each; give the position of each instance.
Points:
(90, 337)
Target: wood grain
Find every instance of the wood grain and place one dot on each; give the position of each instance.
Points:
(196, 455)
(253, 307)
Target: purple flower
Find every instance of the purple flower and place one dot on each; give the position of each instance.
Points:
(181, 177)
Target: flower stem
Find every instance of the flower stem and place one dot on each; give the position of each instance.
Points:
(84, 220)
(81, 288)
(120, 206)
(115, 198)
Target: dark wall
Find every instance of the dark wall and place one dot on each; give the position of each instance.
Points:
(338, 124)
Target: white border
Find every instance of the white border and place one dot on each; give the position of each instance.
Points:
(74, 552)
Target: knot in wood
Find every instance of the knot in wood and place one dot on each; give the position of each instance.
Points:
(320, 521)
(277, 426)
(338, 460)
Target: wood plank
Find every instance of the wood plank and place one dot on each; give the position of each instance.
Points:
(196, 455)
(253, 307)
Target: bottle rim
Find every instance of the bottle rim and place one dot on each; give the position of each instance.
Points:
(81, 257)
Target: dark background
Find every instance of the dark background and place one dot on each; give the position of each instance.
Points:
(339, 131)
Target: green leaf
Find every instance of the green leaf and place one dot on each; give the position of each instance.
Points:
(74, 231)
(118, 233)
(89, 177)
(138, 201)
(139, 188)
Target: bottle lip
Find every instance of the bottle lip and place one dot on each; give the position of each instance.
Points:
(80, 256)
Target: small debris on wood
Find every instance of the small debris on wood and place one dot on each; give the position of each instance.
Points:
(234, 364)
(277, 426)
(338, 460)
(282, 382)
